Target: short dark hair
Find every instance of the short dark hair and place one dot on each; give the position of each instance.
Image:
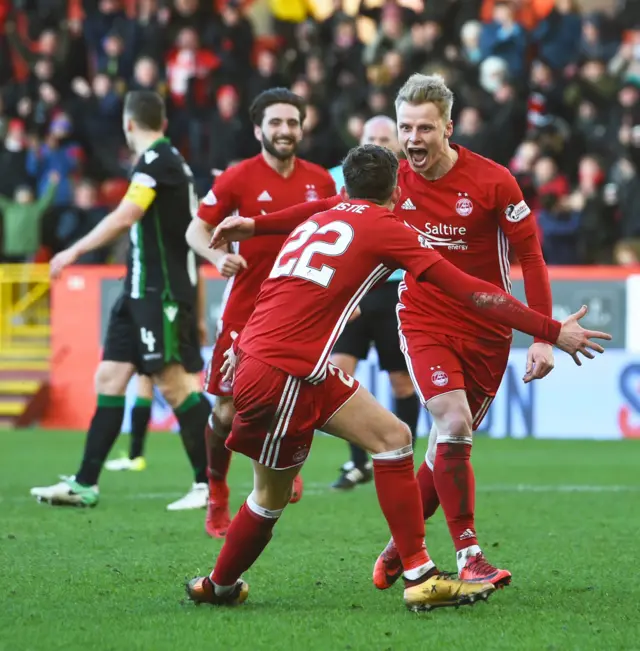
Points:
(146, 108)
(275, 96)
(370, 172)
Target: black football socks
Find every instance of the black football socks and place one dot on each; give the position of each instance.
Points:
(140, 417)
(192, 417)
(103, 432)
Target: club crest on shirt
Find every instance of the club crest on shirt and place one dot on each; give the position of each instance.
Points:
(311, 194)
(464, 205)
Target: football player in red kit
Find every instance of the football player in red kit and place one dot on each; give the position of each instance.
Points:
(471, 210)
(285, 388)
(272, 180)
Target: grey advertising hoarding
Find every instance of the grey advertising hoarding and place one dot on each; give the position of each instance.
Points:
(606, 300)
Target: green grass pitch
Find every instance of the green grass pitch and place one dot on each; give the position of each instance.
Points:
(564, 517)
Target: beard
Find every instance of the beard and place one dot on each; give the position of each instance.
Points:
(282, 156)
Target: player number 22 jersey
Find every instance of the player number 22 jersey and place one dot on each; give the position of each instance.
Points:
(325, 267)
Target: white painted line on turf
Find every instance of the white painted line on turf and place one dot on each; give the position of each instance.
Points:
(315, 488)
(556, 488)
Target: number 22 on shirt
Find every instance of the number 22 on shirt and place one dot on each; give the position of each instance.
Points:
(300, 265)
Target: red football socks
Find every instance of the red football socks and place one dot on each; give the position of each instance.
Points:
(455, 483)
(399, 498)
(428, 491)
(248, 535)
(218, 457)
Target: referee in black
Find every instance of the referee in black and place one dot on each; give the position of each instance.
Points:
(153, 325)
(378, 326)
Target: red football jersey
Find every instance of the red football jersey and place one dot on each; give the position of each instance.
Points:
(254, 188)
(469, 216)
(326, 266)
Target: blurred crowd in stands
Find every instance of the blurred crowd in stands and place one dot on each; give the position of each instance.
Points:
(548, 88)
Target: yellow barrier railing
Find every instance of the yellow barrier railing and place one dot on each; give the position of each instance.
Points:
(25, 311)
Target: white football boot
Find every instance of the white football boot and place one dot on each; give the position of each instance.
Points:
(196, 498)
(67, 493)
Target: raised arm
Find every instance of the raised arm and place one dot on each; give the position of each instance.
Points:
(282, 222)
(47, 196)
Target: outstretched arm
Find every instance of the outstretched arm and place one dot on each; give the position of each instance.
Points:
(115, 223)
(500, 306)
(491, 300)
(403, 247)
(282, 222)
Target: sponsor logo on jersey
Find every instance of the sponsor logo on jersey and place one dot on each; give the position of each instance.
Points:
(311, 193)
(464, 205)
(518, 212)
(210, 199)
(264, 196)
(443, 235)
(408, 205)
(439, 377)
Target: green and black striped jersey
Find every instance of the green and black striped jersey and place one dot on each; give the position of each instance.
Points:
(160, 259)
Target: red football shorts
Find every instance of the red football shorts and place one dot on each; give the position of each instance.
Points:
(213, 383)
(277, 414)
(439, 364)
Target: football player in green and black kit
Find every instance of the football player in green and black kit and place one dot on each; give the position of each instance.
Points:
(153, 324)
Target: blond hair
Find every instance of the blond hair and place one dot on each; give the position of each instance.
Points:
(419, 89)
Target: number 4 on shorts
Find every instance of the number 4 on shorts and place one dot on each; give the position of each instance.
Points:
(147, 338)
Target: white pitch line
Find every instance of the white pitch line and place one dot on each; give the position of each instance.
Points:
(557, 488)
(315, 489)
